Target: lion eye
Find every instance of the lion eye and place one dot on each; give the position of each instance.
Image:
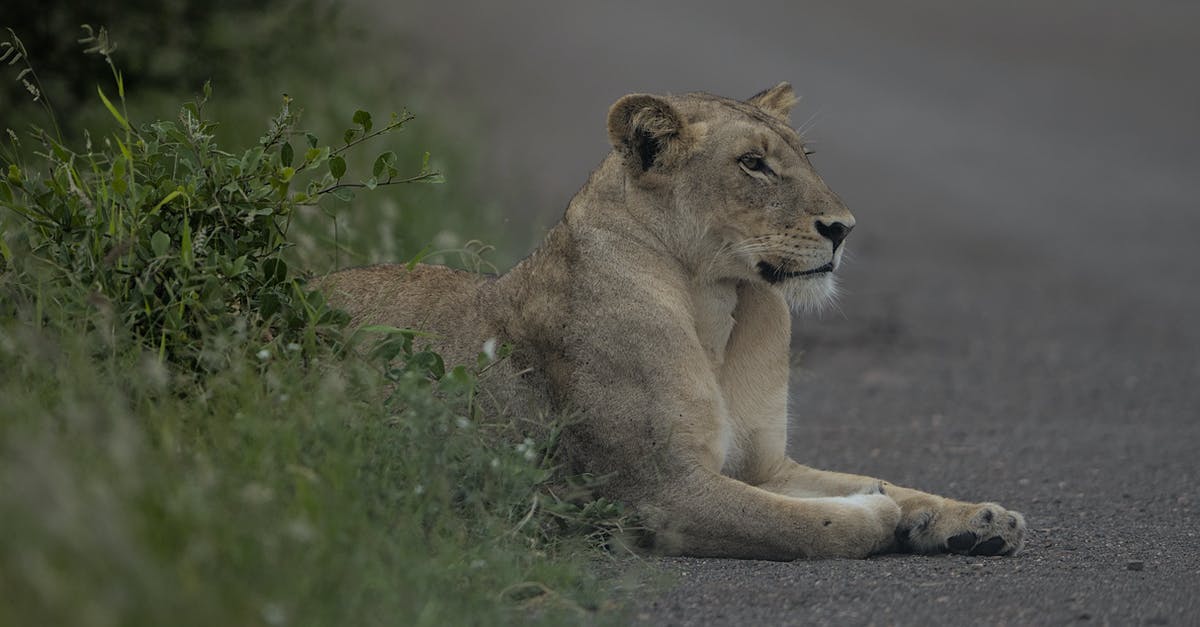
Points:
(754, 163)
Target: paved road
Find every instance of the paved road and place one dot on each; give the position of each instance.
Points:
(1020, 322)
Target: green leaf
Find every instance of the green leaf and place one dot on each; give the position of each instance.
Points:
(337, 166)
(285, 154)
(6, 194)
(421, 254)
(269, 304)
(238, 266)
(274, 271)
(124, 149)
(344, 194)
(348, 136)
(432, 362)
(185, 247)
(370, 183)
(363, 119)
(314, 299)
(312, 140)
(111, 109)
(426, 363)
(159, 242)
(169, 197)
(250, 159)
(460, 376)
(383, 162)
(387, 350)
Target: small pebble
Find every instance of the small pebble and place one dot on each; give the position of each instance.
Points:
(1136, 565)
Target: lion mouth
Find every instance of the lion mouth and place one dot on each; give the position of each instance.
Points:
(775, 274)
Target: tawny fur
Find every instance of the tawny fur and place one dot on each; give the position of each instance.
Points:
(646, 315)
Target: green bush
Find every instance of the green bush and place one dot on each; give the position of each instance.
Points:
(188, 435)
(253, 52)
(176, 237)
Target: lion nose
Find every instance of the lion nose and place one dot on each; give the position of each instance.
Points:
(835, 232)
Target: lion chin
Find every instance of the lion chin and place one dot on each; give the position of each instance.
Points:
(810, 295)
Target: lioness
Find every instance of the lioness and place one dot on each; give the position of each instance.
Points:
(657, 313)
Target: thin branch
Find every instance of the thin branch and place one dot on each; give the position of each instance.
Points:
(407, 117)
(412, 179)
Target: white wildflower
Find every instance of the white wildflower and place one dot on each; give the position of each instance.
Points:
(274, 614)
(255, 493)
(300, 530)
(528, 449)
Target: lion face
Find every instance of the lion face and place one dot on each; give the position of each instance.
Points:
(737, 182)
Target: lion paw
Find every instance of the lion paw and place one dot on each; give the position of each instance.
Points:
(965, 528)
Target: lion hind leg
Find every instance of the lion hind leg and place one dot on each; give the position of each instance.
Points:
(791, 478)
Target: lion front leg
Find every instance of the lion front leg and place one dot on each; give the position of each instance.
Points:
(710, 515)
(928, 523)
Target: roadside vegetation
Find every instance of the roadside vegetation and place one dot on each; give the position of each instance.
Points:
(190, 435)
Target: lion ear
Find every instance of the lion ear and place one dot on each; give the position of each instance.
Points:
(778, 100)
(647, 130)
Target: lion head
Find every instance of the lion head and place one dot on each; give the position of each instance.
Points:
(729, 187)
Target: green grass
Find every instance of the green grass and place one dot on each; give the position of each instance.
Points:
(188, 435)
(273, 492)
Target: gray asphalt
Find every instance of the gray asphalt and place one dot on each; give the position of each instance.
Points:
(1021, 306)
